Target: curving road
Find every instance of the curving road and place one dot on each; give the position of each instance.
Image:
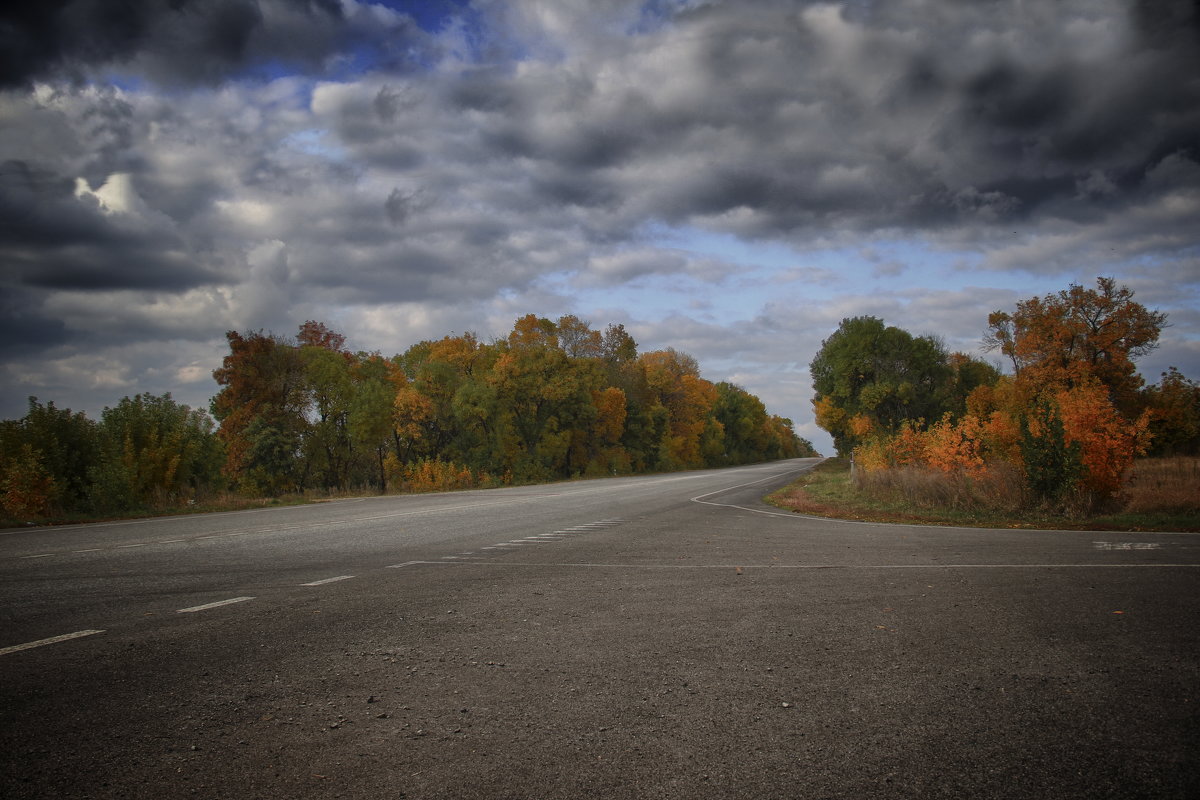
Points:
(667, 636)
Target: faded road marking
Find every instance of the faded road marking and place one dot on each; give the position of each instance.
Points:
(1127, 545)
(843, 567)
(40, 642)
(324, 581)
(207, 606)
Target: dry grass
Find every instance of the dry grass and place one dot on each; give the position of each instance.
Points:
(1001, 488)
(1162, 494)
(1164, 484)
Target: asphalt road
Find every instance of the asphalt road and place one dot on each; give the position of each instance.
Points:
(666, 636)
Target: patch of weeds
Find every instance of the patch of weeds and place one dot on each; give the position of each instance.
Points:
(829, 490)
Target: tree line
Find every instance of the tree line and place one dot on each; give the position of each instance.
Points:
(552, 400)
(1069, 419)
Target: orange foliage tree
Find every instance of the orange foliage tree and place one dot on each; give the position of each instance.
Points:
(1107, 441)
(1071, 417)
(1065, 339)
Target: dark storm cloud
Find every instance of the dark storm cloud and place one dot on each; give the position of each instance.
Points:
(184, 41)
(53, 239)
(861, 116)
(25, 327)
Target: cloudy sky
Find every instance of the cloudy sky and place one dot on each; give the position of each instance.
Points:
(727, 178)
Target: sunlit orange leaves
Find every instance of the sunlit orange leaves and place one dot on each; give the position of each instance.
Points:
(1070, 420)
(955, 445)
(610, 415)
(1108, 442)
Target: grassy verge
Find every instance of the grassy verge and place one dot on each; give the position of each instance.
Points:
(229, 502)
(828, 491)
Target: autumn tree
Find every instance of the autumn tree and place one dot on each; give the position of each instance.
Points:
(551, 399)
(1064, 339)
(543, 395)
(1174, 406)
(687, 401)
(262, 385)
(603, 437)
(427, 415)
(1070, 419)
(319, 335)
(577, 339)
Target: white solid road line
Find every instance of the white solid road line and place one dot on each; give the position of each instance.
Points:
(207, 606)
(328, 580)
(52, 640)
(830, 567)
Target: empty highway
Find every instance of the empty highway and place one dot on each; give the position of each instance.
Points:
(666, 636)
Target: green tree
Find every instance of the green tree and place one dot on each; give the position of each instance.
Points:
(153, 450)
(26, 486)
(371, 420)
(747, 431)
(64, 444)
(328, 447)
(870, 376)
(1052, 464)
(272, 462)
(1174, 406)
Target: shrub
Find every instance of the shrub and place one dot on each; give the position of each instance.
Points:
(1052, 464)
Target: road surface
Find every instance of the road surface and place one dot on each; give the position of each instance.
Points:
(666, 636)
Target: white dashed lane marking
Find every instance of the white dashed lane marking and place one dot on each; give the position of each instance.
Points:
(41, 642)
(541, 538)
(207, 606)
(555, 536)
(324, 581)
